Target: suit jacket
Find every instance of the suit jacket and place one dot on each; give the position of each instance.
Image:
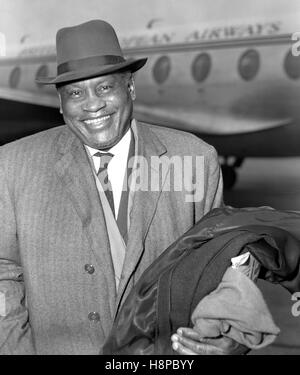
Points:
(56, 271)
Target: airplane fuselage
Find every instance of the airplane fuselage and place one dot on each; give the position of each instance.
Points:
(233, 85)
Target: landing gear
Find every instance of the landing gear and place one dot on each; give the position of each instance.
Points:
(229, 176)
(229, 171)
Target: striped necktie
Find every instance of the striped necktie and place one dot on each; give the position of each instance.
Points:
(105, 158)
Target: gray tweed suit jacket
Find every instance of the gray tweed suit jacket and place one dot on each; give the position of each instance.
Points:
(52, 226)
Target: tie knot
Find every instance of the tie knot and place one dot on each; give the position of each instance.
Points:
(105, 158)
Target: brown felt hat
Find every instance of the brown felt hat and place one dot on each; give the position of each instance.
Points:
(88, 50)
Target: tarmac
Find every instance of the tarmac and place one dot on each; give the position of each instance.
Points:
(273, 182)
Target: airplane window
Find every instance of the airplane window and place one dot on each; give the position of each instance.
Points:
(292, 65)
(42, 71)
(15, 77)
(161, 69)
(248, 64)
(201, 67)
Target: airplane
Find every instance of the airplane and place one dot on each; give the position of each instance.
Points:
(234, 84)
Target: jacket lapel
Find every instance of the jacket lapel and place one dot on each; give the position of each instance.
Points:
(144, 203)
(74, 171)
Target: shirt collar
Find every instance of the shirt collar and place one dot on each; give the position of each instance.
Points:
(119, 150)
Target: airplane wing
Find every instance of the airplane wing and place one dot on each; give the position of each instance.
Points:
(42, 99)
(202, 122)
(210, 123)
(25, 113)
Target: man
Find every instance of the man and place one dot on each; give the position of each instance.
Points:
(73, 238)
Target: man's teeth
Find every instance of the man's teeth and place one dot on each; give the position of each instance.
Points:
(97, 120)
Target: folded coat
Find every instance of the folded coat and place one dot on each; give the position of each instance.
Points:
(237, 310)
(167, 293)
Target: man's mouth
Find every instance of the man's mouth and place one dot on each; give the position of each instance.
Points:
(96, 121)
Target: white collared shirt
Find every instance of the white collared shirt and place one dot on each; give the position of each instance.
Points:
(117, 166)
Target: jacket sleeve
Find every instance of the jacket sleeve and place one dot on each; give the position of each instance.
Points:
(15, 331)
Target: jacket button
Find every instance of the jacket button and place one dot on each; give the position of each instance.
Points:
(94, 316)
(89, 268)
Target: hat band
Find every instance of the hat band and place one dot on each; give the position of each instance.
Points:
(88, 62)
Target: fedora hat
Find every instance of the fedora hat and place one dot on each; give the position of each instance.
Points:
(88, 50)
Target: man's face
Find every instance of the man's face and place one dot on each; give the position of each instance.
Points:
(99, 110)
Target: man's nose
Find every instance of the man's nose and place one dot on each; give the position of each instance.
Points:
(93, 103)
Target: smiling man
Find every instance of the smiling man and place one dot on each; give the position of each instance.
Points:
(99, 110)
(77, 231)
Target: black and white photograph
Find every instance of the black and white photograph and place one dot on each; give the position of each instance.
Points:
(150, 180)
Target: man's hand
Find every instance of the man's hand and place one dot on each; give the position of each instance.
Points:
(187, 341)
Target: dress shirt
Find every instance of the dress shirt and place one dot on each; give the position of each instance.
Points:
(117, 166)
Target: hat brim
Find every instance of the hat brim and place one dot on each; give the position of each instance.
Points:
(129, 65)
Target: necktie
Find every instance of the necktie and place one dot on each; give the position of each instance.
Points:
(105, 158)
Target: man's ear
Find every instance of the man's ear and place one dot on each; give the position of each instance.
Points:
(131, 87)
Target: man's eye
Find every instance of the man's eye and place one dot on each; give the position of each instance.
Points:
(104, 88)
(75, 93)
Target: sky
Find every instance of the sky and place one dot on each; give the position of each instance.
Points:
(36, 21)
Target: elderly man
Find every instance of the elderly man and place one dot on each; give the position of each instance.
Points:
(74, 237)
